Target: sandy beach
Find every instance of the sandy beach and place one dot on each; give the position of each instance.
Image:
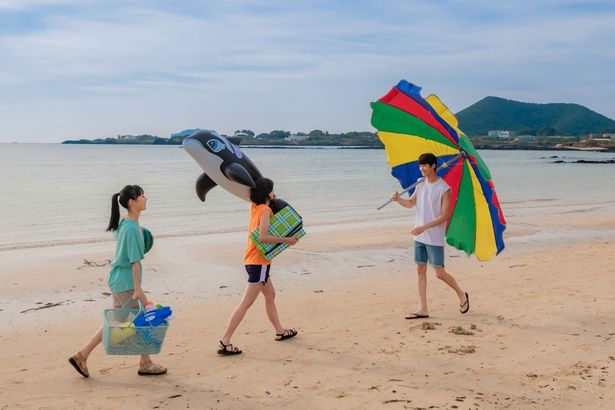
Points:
(189, 113)
(539, 333)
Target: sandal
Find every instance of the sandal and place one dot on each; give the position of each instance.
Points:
(80, 364)
(151, 369)
(465, 309)
(228, 350)
(286, 334)
(412, 316)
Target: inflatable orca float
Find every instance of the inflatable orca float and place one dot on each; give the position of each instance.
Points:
(223, 164)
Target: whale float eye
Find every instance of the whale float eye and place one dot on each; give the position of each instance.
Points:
(215, 145)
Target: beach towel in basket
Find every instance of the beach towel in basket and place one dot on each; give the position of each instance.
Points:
(122, 337)
(286, 222)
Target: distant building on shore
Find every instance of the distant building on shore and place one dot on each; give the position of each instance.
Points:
(601, 137)
(126, 138)
(499, 134)
(526, 138)
(297, 137)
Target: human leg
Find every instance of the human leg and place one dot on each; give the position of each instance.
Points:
(436, 260)
(79, 359)
(146, 366)
(450, 281)
(94, 341)
(268, 292)
(281, 333)
(421, 272)
(420, 258)
(249, 296)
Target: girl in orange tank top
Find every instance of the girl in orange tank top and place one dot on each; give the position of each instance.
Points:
(257, 268)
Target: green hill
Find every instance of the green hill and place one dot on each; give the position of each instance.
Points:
(494, 113)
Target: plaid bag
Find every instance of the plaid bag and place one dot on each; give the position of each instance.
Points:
(287, 222)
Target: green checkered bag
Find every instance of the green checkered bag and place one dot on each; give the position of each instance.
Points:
(287, 222)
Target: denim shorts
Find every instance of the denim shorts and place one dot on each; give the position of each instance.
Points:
(432, 253)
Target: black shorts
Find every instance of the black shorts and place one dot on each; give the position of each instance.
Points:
(258, 273)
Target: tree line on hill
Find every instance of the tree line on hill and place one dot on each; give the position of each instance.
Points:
(275, 137)
(494, 113)
(570, 122)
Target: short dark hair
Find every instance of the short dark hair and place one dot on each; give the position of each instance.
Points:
(260, 193)
(428, 158)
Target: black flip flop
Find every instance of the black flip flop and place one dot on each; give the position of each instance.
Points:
(416, 316)
(466, 304)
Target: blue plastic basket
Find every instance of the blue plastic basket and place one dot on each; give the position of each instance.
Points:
(122, 337)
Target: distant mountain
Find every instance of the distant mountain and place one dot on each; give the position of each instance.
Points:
(494, 113)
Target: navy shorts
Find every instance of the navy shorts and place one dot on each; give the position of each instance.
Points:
(258, 273)
(432, 253)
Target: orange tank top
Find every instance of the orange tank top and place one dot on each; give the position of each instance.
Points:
(252, 256)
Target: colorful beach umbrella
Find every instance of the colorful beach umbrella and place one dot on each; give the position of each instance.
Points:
(410, 125)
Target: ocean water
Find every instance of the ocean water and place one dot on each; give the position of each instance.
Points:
(55, 194)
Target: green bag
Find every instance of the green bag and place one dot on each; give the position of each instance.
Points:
(285, 223)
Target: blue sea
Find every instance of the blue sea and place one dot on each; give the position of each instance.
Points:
(54, 194)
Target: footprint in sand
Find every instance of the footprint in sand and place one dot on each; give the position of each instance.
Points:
(430, 325)
(462, 349)
(459, 330)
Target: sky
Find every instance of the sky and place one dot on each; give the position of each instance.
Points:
(94, 69)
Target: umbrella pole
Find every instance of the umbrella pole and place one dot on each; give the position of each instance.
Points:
(444, 165)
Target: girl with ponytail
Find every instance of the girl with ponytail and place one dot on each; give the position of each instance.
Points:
(125, 276)
(258, 269)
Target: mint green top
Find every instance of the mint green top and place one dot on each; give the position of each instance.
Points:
(129, 249)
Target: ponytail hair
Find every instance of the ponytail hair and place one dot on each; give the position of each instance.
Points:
(127, 193)
(260, 193)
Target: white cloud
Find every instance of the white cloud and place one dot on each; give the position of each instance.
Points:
(149, 70)
(14, 5)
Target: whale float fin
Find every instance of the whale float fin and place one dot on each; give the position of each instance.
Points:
(235, 140)
(203, 185)
(237, 173)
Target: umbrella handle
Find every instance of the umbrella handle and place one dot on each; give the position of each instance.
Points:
(444, 165)
(401, 193)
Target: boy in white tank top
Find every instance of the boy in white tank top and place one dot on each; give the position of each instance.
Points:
(432, 200)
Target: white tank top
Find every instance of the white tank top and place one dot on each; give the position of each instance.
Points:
(429, 207)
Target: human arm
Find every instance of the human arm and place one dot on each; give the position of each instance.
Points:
(446, 200)
(133, 243)
(138, 292)
(263, 232)
(406, 203)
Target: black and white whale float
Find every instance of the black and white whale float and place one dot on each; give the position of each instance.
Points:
(224, 164)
